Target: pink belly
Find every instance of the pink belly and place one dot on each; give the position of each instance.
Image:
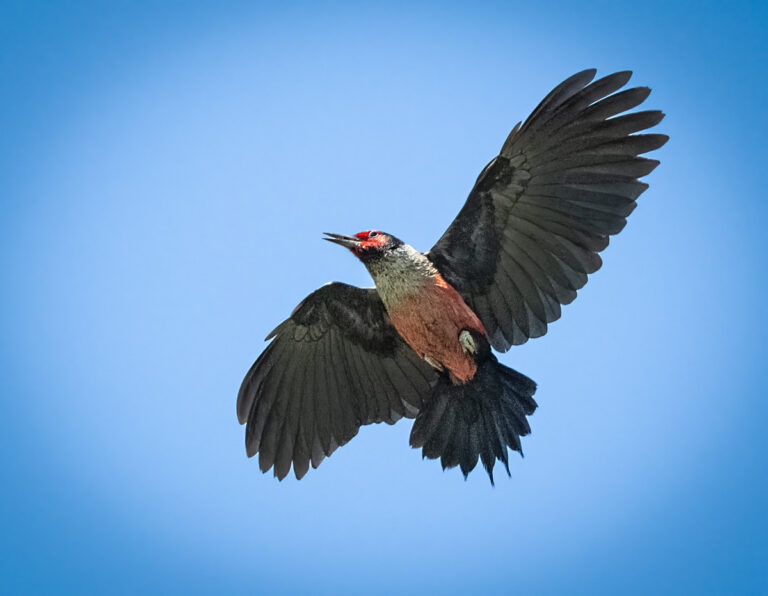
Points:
(430, 322)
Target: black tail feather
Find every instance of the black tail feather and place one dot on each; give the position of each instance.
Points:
(478, 420)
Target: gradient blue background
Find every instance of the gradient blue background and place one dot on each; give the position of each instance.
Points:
(165, 173)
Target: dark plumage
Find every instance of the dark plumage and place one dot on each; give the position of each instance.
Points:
(542, 210)
(333, 366)
(520, 248)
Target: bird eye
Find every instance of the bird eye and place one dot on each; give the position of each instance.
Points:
(372, 234)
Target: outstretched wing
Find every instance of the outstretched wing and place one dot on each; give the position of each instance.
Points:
(335, 364)
(542, 210)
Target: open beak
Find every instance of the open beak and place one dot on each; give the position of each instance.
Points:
(345, 241)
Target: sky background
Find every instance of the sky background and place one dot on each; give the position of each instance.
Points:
(165, 175)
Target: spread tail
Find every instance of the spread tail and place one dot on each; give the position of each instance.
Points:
(481, 418)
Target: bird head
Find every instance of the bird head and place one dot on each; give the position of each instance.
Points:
(366, 245)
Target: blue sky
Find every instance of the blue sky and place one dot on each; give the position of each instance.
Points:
(165, 174)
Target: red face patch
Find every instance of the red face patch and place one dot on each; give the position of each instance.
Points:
(371, 238)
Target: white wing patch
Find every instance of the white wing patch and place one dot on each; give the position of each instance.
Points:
(467, 342)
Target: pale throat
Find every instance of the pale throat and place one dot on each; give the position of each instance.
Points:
(400, 274)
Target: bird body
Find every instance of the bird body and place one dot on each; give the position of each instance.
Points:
(432, 321)
(427, 312)
(419, 344)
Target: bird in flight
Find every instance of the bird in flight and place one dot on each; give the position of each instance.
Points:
(419, 344)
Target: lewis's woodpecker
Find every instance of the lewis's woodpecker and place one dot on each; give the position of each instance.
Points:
(418, 345)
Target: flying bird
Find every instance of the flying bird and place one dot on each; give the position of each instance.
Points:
(420, 344)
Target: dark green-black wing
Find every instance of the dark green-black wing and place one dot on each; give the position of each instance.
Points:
(335, 364)
(542, 210)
